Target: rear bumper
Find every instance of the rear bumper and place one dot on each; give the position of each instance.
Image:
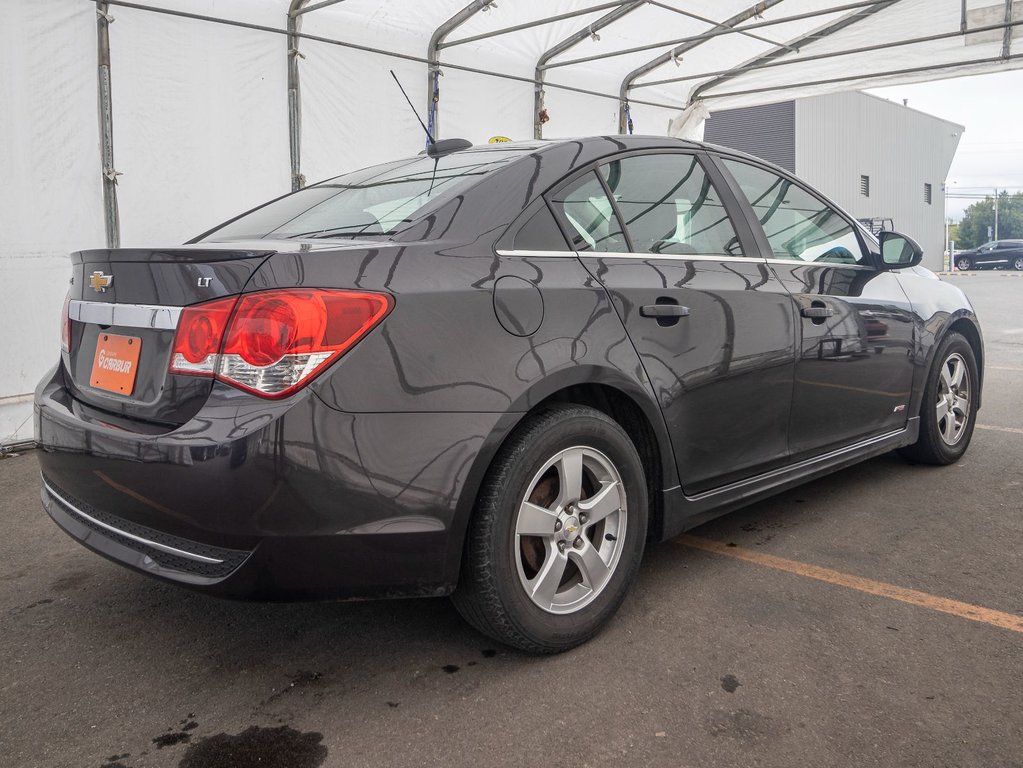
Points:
(265, 499)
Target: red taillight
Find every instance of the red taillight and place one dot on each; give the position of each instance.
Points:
(275, 341)
(200, 334)
(65, 325)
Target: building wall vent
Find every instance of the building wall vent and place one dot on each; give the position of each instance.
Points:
(865, 186)
(927, 193)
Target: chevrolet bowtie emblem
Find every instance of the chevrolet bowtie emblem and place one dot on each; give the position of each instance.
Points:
(100, 282)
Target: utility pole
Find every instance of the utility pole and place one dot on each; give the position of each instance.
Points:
(996, 214)
(944, 195)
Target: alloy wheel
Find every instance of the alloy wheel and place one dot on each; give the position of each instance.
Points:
(1018, 263)
(570, 530)
(963, 264)
(953, 407)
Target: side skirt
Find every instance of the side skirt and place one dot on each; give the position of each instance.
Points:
(683, 512)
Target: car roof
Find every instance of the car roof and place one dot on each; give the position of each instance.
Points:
(626, 142)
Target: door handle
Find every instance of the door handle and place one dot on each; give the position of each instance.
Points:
(817, 313)
(664, 310)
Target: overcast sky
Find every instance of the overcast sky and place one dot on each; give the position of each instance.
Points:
(991, 150)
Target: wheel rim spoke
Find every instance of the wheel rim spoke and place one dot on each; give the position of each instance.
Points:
(948, 426)
(570, 471)
(535, 520)
(946, 378)
(545, 585)
(957, 372)
(591, 565)
(961, 404)
(606, 501)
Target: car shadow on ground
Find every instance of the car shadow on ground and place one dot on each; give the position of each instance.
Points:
(237, 635)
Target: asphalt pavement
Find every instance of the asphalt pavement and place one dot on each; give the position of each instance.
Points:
(871, 618)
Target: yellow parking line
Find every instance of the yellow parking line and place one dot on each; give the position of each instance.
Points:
(1014, 430)
(881, 589)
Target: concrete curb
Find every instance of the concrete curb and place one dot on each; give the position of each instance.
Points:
(977, 274)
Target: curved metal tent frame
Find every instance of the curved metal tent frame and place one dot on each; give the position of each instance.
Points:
(746, 22)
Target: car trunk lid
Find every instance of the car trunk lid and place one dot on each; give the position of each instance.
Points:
(124, 306)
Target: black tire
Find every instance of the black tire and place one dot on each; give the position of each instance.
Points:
(963, 264)
(1017, 264)
(931, 447)
(491, 594)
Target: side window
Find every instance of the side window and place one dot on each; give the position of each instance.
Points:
(670, 206)
(797, 224)
(593, 225)
(540, 232)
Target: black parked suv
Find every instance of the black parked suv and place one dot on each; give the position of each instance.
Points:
(998, 254)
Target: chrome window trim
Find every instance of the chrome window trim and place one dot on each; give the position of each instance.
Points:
(534, 254)
(126, 315)
(678, 257)
(627, 255)
(671, 256)
(801, 263)
(113, 529)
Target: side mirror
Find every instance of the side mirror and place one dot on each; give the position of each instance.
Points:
(899, 251)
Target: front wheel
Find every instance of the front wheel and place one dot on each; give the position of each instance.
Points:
(948, 409)
(963, 263)
(557, 534)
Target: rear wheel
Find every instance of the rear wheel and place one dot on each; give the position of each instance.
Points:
(557, 534)
(948, 408)
(963, 263)
(1017, 264)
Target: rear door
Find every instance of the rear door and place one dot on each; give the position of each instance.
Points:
(712, 324)
(1007, 251)
(855, 370)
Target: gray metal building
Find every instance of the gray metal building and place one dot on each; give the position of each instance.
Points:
(876, 158)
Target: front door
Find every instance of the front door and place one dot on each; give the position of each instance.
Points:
(855, 370)
(712, 323)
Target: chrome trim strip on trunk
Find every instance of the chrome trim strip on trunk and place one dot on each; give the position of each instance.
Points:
(127, 315)
(146, 542)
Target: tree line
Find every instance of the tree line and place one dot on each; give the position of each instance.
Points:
(973, 229)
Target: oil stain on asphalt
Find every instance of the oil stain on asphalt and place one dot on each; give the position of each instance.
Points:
(170, 739)
(257, 747)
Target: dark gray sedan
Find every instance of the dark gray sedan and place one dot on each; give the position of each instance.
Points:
(493, 372)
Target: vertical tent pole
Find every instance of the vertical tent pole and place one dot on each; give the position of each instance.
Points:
(295, 96)
(433, 61)
(1007, 35)
(106, 128)
(570, 42)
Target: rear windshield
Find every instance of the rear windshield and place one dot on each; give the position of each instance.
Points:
(373, 201)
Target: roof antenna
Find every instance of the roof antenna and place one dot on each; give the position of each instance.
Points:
(414, 112)
(433, 148)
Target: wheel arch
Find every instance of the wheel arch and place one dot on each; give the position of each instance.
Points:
(971, 332)
(609, 392)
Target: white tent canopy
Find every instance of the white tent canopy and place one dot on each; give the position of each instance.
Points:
(213, 107)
